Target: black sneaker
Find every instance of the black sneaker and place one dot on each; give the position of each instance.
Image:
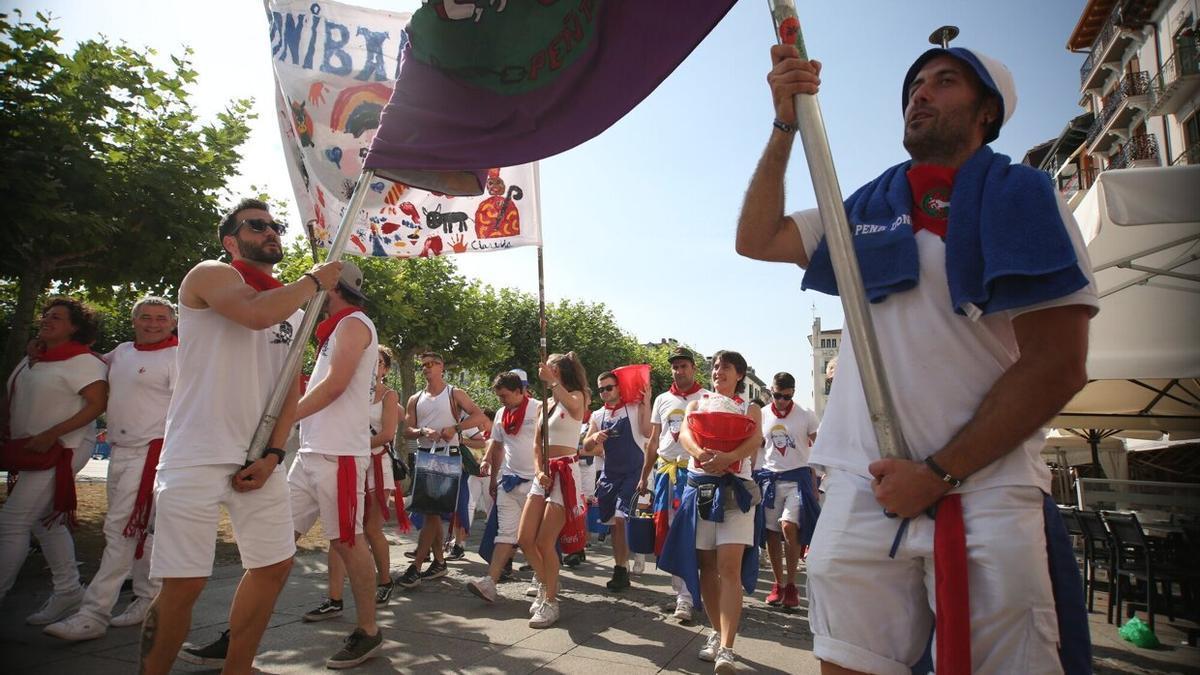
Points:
(410, 578)
(620, 580)
(526, 567)
(412, 555)
(358, 648)
(574, 559)
(326, 610)
(211, 654)
(507, 574)
(383, 593)
(456, 553)
(435, 571)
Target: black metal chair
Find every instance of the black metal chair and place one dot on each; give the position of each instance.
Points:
(1138, 558)
(1078, 539)
(1098, 554)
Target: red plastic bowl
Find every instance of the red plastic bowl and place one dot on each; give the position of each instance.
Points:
(631, 381)
(721, 431)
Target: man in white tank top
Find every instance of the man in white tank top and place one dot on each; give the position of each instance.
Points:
(141, 375)
(236, 323)
(328, 478)
(431, 419)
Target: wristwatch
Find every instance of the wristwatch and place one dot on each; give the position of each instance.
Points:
(278, 452)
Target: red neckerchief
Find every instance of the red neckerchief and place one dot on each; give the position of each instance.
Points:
(138, 526)
(684, 394)
(254, 277)
(931, 186)
(172, 341)
(325, 328)
(791, 407)
(511, 420)
(738, 399)
(66, 350)
(613, 408)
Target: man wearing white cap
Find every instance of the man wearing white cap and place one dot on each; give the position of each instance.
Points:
(980, 295)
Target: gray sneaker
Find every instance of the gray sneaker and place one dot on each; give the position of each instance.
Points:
(57, 606)
(358, 648)
(709, 651)
(726, 665)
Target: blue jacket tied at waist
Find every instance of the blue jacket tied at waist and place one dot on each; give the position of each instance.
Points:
(679, 553)
(1006, 243)
(809, 505)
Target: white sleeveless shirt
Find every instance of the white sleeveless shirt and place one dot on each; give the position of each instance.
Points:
(226, 374)
(434, 412)
(344, 426)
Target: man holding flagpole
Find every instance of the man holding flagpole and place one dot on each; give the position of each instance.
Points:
(981, 295)
(238, 322)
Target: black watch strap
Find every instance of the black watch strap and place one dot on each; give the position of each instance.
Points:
(942, 473)
(278, 452)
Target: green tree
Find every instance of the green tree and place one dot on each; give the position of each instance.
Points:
(107, 177)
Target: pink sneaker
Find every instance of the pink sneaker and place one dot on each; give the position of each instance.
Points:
(775, 596)
(791, 597)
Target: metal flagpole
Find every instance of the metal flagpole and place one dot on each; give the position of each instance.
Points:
(545, 449)
(270, 416)
(841, 249)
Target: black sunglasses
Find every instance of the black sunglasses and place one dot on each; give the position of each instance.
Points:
(258, 226)
(607, 387)
(781, 397)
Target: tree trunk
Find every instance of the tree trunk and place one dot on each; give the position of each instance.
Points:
(31, 283)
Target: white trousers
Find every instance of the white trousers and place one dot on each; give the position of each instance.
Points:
(124, 476)
(31, 501)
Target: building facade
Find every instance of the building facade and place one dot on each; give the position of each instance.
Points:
(1139, 87)
(825, 344)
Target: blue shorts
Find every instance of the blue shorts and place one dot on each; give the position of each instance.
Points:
(616, 495)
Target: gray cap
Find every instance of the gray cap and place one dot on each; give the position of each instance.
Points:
(351, 280)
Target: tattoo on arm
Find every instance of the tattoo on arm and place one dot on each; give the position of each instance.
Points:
(149, 632)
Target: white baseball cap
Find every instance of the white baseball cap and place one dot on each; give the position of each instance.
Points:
(994, 75)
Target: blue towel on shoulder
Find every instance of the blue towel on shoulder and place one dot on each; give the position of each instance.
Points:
(679, 552)
(1006, 244)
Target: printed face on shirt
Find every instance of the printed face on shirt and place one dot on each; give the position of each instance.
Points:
(675, 422)
(946, 110)
(781, 440)
(683, 373)
(609, 392)
(153, 323)
(56, 325)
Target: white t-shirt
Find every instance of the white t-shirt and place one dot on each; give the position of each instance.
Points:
(47, 393)
(668, 412)
(343, 427)
(714, 402)
(940, 366)
(139, 392)
(786, 439)
(226, 374)
(519, 452)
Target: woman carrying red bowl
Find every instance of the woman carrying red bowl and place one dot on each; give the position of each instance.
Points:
(711, 542)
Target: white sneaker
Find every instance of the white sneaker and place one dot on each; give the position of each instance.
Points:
(546, 616)
(533, 590)
(133, 615)
(709, 651)
(638, 566)
(56, 607)
(75, 628)
(538, 601)
(483, 587)
(683, 609)
(725, 662)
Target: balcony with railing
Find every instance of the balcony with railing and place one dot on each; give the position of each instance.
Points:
(1178, 80)
(1108, 49)
(1191, 155)
(1079, 181)
(1139, 151)
(1118, 111)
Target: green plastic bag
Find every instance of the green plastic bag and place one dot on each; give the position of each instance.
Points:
(1136, 631)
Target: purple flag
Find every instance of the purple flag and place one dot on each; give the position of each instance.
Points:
(488, 83)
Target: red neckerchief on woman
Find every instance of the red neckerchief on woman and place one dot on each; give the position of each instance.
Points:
(780, 415)
(684, 394)
(172, 341)
(325, 328)
(254, 277)
(66, 350)
(511, 420)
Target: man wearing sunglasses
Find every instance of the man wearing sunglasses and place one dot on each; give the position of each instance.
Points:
(618, 432)
(237, 323)
(789, 494)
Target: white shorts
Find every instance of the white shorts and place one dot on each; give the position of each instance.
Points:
(787, 505)
(389, 480)
(187, 509)
(737, 528)
(556, 495)
(508, 511)
(313, 483)
(872, 613)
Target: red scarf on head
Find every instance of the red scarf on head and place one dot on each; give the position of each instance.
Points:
(66, 350)
(684, 394)
(254, 277)
(347, 498)
(172, 341)
(511, 420)
(139, 521)
(325, 328)
(791, 407)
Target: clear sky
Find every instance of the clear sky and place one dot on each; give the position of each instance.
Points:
(642, 217)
